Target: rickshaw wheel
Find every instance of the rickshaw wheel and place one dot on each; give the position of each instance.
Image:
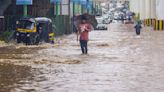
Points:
(18, 39)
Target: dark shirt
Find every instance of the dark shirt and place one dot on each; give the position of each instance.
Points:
(138, 27)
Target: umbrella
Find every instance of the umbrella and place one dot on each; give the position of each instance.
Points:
(90, 19)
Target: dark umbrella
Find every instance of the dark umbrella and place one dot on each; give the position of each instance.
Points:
(90, 19)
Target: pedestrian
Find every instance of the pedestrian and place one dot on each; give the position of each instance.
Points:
(83, 30)
(138, 28)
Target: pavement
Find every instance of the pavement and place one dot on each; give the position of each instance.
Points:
(118, 61)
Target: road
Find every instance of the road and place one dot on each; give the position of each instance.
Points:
(118, 61)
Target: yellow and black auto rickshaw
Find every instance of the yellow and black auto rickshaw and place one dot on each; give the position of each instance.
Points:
(32, 31)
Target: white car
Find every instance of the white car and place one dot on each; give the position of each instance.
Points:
(101, 25)
(107, 21)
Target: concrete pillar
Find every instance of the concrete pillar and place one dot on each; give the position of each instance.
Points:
(160, 8)
(142, 9)
(147, 9)
(132, 3)
(153, 9)
(136, 6)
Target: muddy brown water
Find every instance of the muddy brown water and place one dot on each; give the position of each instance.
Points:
(15, 52)
(12, 74)
(118, 61)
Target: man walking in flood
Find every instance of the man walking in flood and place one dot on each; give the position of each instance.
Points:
(83, 30)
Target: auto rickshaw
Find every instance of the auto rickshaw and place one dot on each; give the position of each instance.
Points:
(32, 31)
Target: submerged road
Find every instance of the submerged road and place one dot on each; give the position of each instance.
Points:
(118, 61)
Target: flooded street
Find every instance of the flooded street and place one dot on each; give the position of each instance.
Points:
(118, 61)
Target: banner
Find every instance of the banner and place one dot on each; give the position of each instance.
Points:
(23, 2)
(54, 1)
(81, 1)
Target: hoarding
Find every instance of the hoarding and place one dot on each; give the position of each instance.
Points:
(23, 2)
(54, 1)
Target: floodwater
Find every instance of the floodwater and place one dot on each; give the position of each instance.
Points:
(118, 61)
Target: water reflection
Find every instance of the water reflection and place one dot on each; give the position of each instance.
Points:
(117, 62)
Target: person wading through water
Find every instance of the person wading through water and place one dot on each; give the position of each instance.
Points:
(138, 28)
(83, 30)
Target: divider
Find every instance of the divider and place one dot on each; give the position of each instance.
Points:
(158, 25)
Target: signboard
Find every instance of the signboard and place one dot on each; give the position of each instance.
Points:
(54, 1)
(24, 2)
(81, 1)
(75, 1)
(65, 2)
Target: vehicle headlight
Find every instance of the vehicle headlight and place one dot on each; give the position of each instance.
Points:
(17, 34)
(28, 35)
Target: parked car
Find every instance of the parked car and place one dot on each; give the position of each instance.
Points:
(107, 20)
(101, 25)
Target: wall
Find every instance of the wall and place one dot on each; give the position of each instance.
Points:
(160, 7)
(146, 8)
(3, 5)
